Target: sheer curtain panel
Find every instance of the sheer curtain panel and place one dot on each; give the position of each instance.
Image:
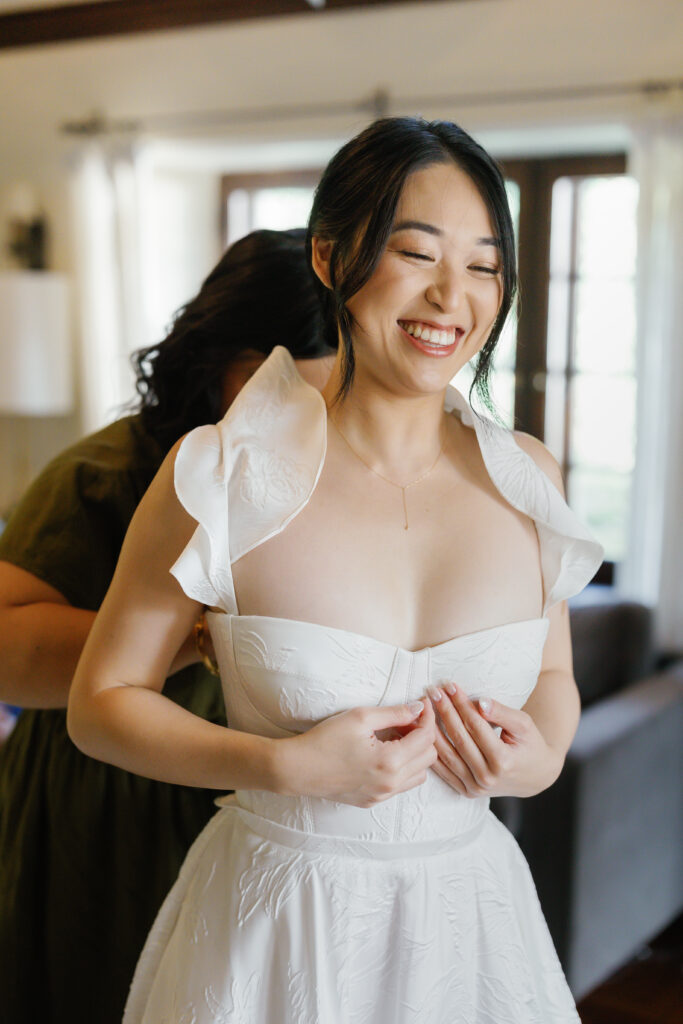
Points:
(653, 569)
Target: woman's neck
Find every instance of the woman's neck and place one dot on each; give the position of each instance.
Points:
(398, 436)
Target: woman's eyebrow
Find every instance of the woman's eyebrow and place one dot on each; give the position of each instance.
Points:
(416, 225)
(430, 229)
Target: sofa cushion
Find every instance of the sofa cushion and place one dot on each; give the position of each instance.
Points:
(612, 644)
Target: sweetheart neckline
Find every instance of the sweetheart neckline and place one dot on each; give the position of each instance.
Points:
(384, 643)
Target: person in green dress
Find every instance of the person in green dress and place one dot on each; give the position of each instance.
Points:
(87, 851)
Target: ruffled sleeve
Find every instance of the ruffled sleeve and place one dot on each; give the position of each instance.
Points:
(246, 478)
(203, 568)
(570, 555)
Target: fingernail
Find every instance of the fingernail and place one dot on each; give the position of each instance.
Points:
(415, 707)
(451, 689)
(435, 693)
(485, 704)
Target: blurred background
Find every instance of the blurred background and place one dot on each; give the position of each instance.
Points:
(138, 138)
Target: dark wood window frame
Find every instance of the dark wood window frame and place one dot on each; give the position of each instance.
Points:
(535, 178)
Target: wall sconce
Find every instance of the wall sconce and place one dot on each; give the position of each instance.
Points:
(36, 369)
(27, 239)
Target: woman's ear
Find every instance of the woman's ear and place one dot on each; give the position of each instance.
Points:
(321, 252)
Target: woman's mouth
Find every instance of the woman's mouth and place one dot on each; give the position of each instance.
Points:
(437, 341)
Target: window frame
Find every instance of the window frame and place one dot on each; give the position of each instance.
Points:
(535, 178)
(306, 177)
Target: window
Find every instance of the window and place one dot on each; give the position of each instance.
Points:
(269, 200)
(590, 408)
(575, 385)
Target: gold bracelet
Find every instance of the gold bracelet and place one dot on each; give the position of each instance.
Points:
(200, 630)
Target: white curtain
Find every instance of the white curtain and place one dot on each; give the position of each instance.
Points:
(653, 571)
(146, 234)
(106, 184)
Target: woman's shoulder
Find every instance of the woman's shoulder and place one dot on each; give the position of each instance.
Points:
(542, 456)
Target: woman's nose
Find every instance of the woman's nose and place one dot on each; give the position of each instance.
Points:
(445, 291)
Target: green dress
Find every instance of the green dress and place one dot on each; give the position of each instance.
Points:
(87, 851)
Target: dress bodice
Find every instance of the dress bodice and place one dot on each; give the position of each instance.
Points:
(243, 481)
(282, 676)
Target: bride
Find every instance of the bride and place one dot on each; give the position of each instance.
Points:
(386, 573)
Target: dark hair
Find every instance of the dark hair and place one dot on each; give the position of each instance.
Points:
(260, 294)
(354, 208)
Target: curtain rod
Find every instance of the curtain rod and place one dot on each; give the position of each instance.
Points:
(379, 104)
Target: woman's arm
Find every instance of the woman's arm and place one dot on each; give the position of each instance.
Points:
(554, 705)
(117, 712)
(41, 639)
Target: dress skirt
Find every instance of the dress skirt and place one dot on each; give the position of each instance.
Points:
(270, 925)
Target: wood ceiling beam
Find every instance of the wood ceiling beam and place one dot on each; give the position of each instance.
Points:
(68, 22)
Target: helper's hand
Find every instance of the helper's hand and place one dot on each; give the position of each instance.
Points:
(344, 758)
(475, 761)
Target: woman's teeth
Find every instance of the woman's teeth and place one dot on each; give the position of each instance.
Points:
(429, 334)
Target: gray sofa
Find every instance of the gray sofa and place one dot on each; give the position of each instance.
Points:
(605, 843)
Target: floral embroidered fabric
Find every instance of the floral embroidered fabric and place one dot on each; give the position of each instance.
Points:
(420, 910)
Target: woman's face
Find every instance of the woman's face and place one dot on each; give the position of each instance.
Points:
(431, 302)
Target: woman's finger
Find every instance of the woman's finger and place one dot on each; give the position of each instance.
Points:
(454, 763)
(421, 736)
(459, 735)
(450, 779)
(376, 719)
(513, 722)
(487, 741)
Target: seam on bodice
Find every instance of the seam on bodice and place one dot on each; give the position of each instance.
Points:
(396, 823)
(390, 677)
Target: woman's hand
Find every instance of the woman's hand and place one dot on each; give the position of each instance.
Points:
(344, 759)
(476, 762)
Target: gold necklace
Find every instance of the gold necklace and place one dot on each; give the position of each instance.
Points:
(402, 487)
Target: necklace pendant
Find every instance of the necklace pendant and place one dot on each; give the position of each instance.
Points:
(402, 487)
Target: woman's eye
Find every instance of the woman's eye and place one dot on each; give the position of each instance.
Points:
(493, 271)
(416, 255)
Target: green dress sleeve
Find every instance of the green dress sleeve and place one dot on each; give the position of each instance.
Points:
(69, 527)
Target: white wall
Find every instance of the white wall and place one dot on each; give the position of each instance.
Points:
(425, 55)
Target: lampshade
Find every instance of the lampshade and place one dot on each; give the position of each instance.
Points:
(36, 372)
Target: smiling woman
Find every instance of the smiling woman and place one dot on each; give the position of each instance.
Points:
(366, 643)
(364, 212)
(440, 286)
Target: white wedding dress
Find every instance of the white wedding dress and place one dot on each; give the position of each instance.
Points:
(293, 910)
